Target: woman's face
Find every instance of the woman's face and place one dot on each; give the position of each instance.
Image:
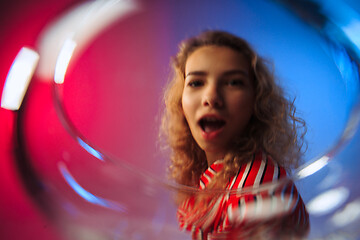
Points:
(218, 98)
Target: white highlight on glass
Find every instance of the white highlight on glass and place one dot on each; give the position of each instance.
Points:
(81, 24)
(346, 18)
(352, 31)
(349, 214)
(63, 60)
(313, 167)
(352, 28)
(328, 201)
(18, 78)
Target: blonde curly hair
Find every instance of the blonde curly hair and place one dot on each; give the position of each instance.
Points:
(273, 127)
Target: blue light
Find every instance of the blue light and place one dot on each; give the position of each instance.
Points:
(90, 150)
(85, 194)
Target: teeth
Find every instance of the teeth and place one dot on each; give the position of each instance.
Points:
(210, 124)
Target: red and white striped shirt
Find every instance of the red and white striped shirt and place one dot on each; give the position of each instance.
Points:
(240, 213)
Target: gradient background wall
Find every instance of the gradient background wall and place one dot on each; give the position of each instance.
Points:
(113, 90)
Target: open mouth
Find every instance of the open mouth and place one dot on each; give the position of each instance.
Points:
(211, 124)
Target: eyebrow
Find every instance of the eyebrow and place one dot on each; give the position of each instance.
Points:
(227, 73)
(195, 73)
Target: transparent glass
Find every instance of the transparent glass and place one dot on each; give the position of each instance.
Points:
(88, 129)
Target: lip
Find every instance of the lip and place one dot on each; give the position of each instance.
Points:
(211, 135)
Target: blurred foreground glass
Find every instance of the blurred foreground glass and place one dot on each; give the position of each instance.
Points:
(88, 128)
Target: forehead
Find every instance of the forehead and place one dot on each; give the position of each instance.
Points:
(216, 57)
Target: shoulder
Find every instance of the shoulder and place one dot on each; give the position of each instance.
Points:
(261, 169)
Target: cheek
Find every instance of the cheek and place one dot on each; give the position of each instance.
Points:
(186, 105)
(244, 107)
(185, 110)
(183, 105)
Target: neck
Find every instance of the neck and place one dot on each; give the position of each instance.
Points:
(213, 157)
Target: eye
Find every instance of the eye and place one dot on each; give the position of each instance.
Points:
(196, 83)
(235, 82)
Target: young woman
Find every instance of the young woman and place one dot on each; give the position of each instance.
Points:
(230, 127)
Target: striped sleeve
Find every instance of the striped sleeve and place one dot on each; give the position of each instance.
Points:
(241, 212)
(250, 208)
(199, 217)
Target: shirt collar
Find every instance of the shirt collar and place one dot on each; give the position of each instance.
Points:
(209, 174)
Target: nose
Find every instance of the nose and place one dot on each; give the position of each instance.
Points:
(212, 97)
